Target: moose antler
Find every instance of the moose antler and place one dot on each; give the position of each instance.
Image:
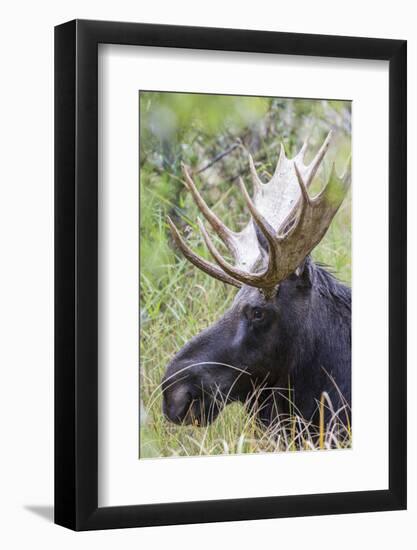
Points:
(291, 221)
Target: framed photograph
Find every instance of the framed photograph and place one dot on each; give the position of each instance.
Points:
(230, 254)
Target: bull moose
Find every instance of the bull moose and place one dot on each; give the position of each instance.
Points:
(289, 326)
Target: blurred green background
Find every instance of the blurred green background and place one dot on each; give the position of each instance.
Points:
(176, 299)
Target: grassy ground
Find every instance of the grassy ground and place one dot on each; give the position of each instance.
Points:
(178, 303)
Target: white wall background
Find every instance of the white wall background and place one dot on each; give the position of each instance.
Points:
(26, 286)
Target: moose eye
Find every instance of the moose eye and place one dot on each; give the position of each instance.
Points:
(257, 314)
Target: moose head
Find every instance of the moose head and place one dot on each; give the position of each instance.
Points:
(290, 319)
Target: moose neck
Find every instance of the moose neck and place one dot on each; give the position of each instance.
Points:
(314, 344)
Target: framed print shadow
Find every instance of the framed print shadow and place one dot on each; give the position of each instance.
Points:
(230, 275)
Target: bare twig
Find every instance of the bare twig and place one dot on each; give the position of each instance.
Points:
(218, 157)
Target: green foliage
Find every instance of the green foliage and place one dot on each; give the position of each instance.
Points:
(176, 299)
(155, 253)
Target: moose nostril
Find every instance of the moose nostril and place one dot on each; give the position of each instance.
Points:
(177, 403)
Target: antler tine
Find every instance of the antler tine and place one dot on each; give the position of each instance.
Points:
(310, 171)
(303, 149)
(303, 185)
(336, 188)
(297, 213)
(257, 183)
(281, 158)
(260, 280)
(313, 218)
(263, 224)
(315, 163)
(219, 227)
(199, 262)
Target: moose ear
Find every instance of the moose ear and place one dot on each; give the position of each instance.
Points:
(305, 273)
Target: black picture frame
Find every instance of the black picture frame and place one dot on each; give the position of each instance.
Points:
(76, 272)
